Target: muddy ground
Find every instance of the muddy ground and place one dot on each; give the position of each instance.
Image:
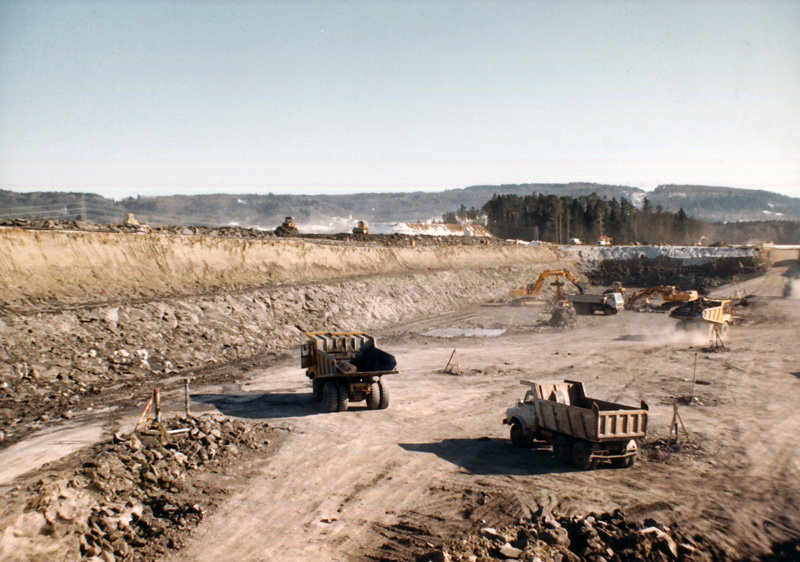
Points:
(436, 467)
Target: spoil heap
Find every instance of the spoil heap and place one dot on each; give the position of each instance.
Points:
(136, 496)
(597, 538)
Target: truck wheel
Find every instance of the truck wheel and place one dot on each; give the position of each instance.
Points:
(316, 387)
(374, 396)
(384, 401)
(723, 329)
(344, 395)
(518, 437)
(330, 396)
(562, 448)
(581, 456)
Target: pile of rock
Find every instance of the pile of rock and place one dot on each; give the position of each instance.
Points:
(596, 538)
(563, 316)
(137, 495)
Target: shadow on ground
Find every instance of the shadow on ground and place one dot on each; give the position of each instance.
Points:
(633, 337)
(261, 405)
(493, 456)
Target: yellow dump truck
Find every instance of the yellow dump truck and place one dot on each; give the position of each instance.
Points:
(346, 367)
(583, 430)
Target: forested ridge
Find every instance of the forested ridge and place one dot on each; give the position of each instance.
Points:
(558, 219)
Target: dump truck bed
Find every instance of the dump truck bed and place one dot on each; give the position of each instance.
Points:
(563, 407)
(334, 354)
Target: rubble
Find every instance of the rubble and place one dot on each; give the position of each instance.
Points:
(644, 272)
(609, 537)
(136, 495)
(563, 317)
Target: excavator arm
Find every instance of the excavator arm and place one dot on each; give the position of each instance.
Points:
(556, 273)
(668, 293)
(645, 292)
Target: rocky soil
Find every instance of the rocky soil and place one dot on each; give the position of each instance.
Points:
(672, 271)
(132, 498)
(609, 537)
(54, 364)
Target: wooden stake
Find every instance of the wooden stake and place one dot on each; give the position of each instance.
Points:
(694, 376)
(676, 427)
(145, 414)
(186, 394)
(448, 361)
(157, 405)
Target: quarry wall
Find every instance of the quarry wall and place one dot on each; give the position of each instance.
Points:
(38, 266)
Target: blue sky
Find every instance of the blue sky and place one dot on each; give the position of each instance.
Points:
(146, 98)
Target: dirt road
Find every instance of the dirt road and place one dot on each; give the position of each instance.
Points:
(437, 464)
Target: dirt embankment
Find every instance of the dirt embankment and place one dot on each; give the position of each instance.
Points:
(79, 267)
(56, 359)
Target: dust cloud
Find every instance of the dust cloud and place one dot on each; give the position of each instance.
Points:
(695, 334)
(792, 289)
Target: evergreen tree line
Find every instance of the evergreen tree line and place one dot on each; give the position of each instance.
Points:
(551, 218)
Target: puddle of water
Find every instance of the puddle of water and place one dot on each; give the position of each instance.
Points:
(465, 332)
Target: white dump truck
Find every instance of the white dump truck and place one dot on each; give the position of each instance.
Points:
(607, 303)
(583, 430)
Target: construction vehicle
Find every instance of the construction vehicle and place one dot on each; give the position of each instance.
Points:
(534, 289)
(288, 228)
(719, 313)
(362, 228)
(131, 221)
(583, 430)
(670, 296)
(608, 303)
(346, 367)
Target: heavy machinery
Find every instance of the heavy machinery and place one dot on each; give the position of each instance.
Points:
(718, 313)
(346, 367)
(362, 228)
(583, 430)
(670, 296)
(534, 289)
(288, 228)
(608, 303)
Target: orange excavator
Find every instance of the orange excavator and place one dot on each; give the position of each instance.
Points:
(669, 294)
(535, 289)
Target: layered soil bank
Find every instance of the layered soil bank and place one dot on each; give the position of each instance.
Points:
(54, 363)
(76, 267)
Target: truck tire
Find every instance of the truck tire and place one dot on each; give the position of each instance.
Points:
(344, 395)
(316, 388)
(518, 437)
(384, 401)
(581, 456)
(374, 396)
(562, 448)
(330, 396)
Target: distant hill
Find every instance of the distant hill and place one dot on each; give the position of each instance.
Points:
(268, 210)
